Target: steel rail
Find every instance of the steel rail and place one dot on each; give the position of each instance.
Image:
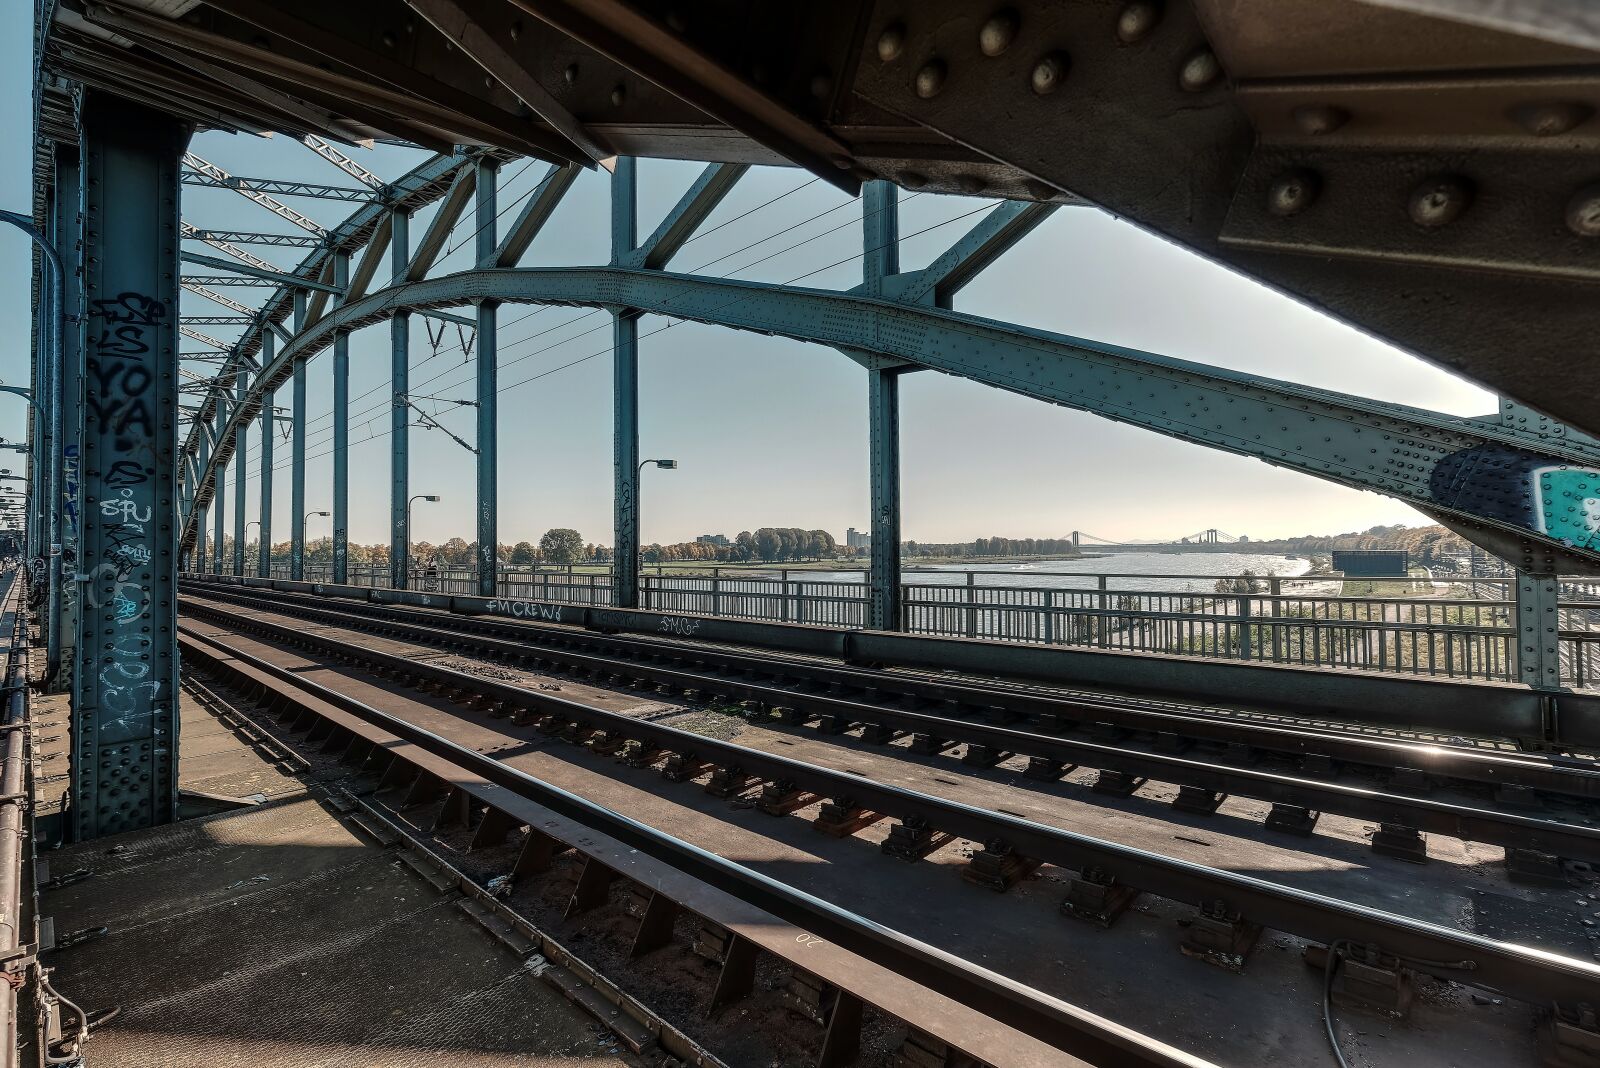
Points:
(1469, 823)
(1521, 972)
(1041, 712)
(1039, 1015)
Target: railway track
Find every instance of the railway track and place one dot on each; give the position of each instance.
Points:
(1232, 908)
(1536, 806)
(952, 1006)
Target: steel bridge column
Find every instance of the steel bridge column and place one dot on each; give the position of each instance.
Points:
(239, 442)
(399, 413)
(488, 388)
(67, 235)
(268, 427)
(1538, 631)
(124, 725)
(625, 397)
(883, 409)
(880, 236)
(297, 455)
(200, 557)
(341, 428)
(218, 500)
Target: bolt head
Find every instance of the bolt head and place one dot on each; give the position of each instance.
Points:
(1440, 200)
(1137, 21)
(1292, 192)
(913, 180)
(1583, 211)
(971, 184)
(1050, 72)
(892, 42)
(997, 33)
(1319, 120)
(571, 74)
(1550, 118)
(1199, 71)
(930, 79)
(619, 94)
(821, 85)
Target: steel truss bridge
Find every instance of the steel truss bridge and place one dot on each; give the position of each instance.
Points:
(1421, 170)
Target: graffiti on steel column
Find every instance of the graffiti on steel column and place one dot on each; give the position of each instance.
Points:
(122, 423)
(1560, 501)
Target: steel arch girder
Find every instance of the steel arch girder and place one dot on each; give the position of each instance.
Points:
(1532, 498)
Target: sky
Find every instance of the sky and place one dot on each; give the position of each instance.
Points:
(767, 431)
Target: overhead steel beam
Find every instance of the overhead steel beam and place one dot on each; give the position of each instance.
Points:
(686, 216)
(536, 211)
(418, 89)
(343, 162)
(421, 121)
(281, 187)
(235, 251)
(463, 22)
(1515, 489)
(252, 237)
(279, 277)
(371, 257)
(444, 220)
(255, 196)
(652, 51)
(987, 241)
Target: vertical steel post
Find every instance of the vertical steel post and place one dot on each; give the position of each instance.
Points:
(625, 396)
(67, 236)
(219, 494)
(240, 440)
(880, 235)
(488, 387)
(124, 734)
(341, 427)
(200, 558)
(297, 454)
(399, 413)
(883, 416)
(1538, 631)
(269, 427)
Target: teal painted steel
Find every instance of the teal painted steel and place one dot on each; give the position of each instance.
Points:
(124, 706)
(269, 429)
(297, 454)
(341, 429)
(625, 398)
(399, 414)
(487, 380)
(880, 261)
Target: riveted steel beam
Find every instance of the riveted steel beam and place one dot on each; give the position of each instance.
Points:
(1487, 479)
(686, 216)
(256, 273)
(467, 24)
(536, 211)
(444, 220)
(125, 760)
(987, 241)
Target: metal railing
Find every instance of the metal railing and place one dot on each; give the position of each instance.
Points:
(1467, 634)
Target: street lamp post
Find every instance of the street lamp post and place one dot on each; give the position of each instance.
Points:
(638, 521)
(303, 520)
(430, 497)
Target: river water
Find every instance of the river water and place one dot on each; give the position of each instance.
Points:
(1156, 572)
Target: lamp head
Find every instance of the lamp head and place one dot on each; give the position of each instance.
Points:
(666, 465)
